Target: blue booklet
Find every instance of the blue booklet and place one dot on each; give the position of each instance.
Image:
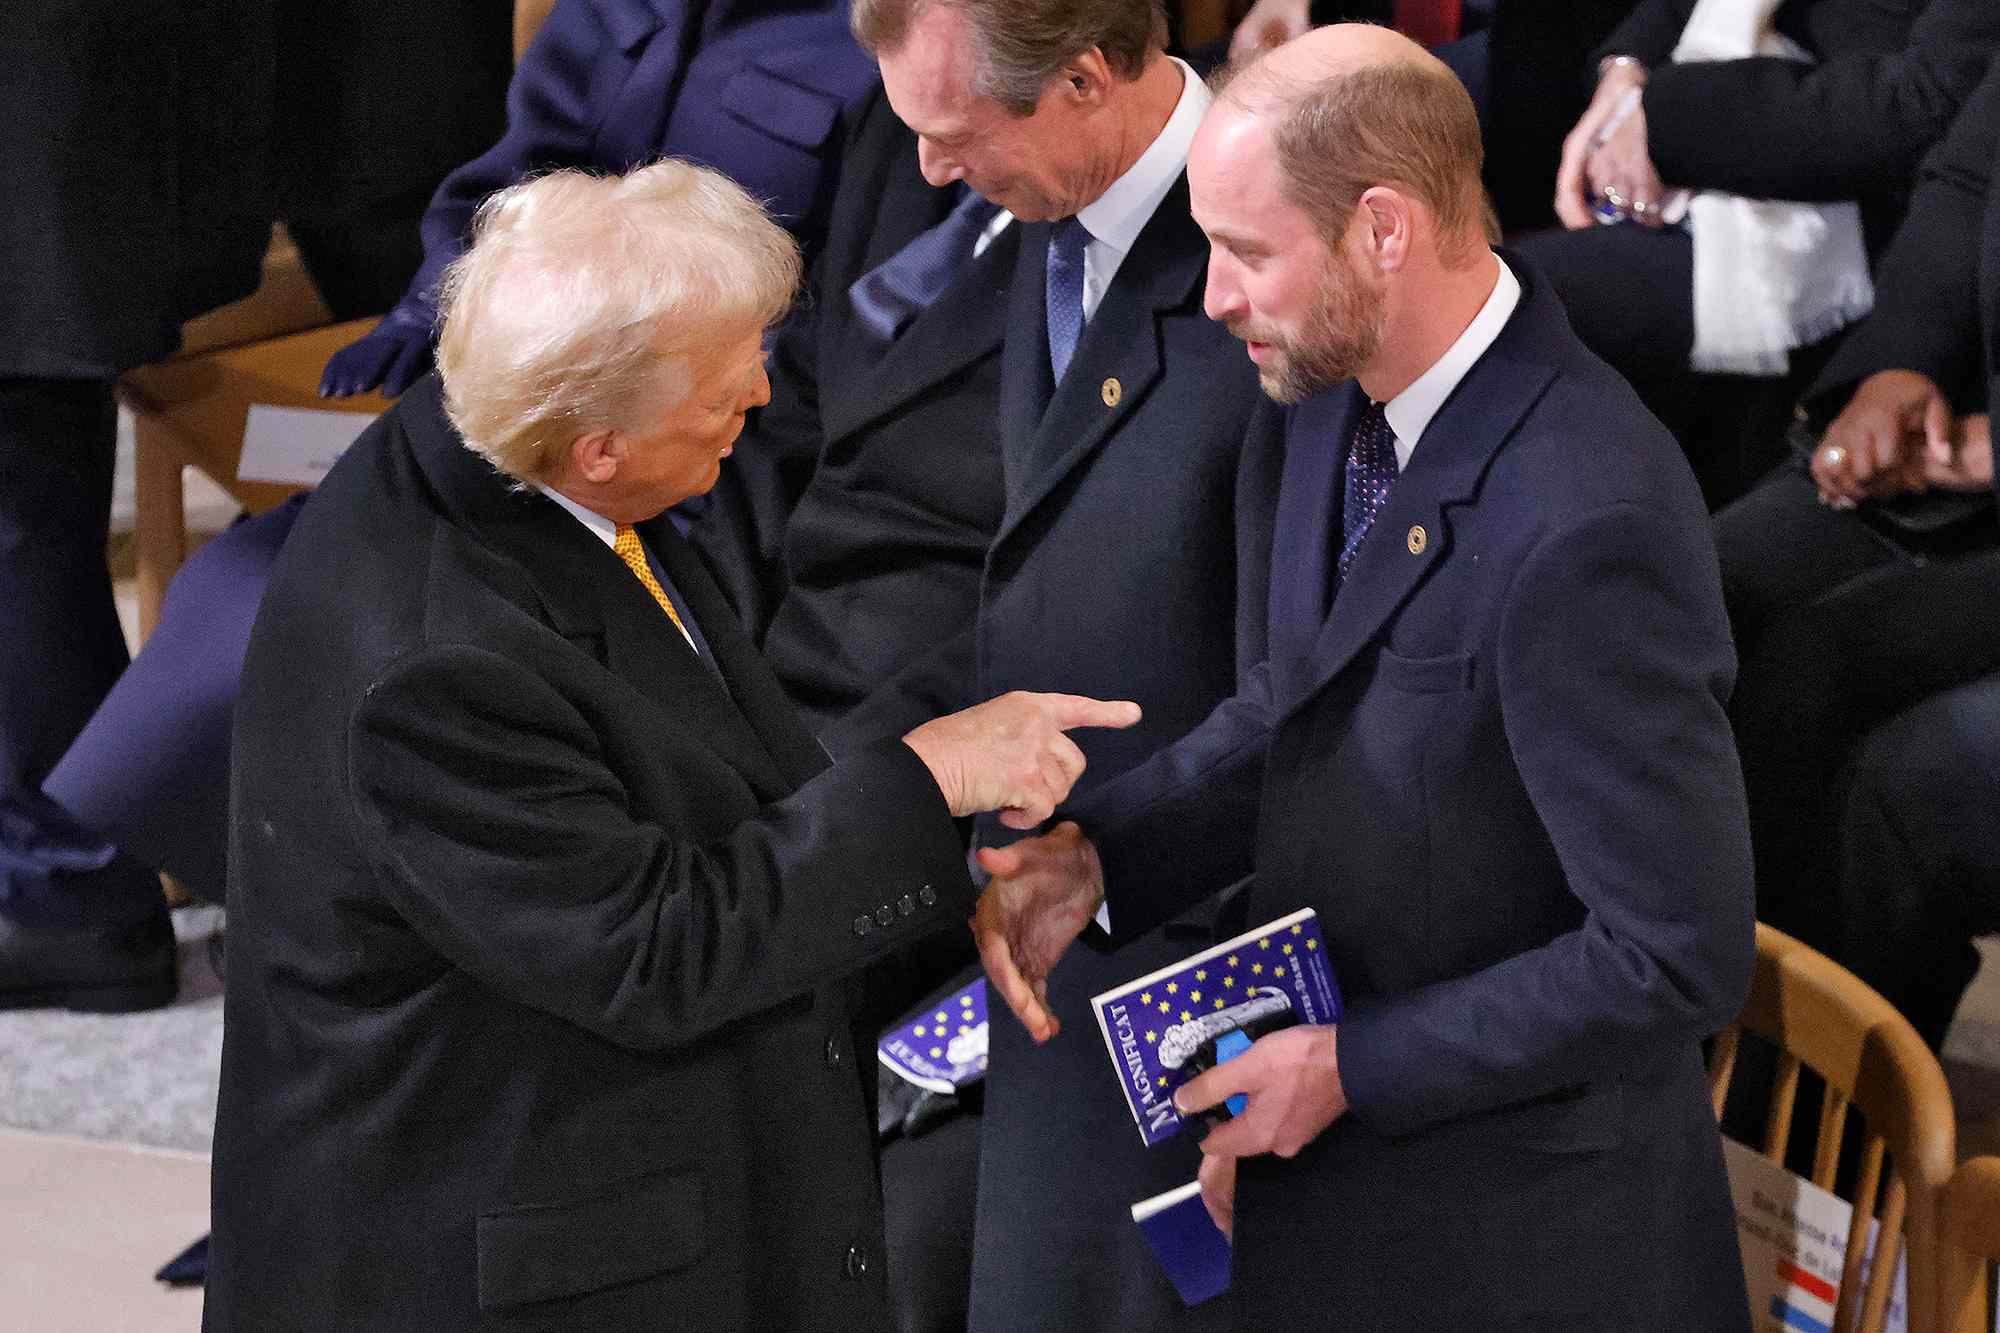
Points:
(1186, 1241)
(1267, 978)
(943, 1046)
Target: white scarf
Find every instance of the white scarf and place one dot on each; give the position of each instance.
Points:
(1768, 276)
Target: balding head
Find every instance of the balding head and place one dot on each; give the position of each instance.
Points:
(1353, 106)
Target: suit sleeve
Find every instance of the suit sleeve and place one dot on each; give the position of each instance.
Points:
(569, 76)
(1614, 662)
(1926, 315)
(941, 681)
(493, 825)
(1847, 127)
(1650, 32)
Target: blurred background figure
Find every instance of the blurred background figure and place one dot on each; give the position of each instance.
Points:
(1716, 308)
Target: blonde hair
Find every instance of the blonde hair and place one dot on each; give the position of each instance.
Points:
(579, 298)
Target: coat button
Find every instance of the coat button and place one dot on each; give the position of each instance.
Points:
(833, 1055)
(1112, 391)
(927, 896)
(862, 925)
(906, 904)
(1418, 539)
(885, 914)
(857, 1263)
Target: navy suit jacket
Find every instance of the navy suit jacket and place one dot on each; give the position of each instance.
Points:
(755, 90)
(1128, 564)
(1500, 770)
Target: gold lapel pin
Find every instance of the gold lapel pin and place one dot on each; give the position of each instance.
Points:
(1418, 539)
(1112, 391)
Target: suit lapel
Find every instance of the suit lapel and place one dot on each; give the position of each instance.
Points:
(656, 36)
(1122, 342)
(965, 323)
(1025, 380)
(1483, 412)
(590, 597)
(754, 689)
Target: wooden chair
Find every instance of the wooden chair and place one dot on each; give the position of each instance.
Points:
(1971, 1246)
(1822, 1017)
(189, 411)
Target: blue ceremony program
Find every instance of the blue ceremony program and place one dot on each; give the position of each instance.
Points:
(943, 1047)
(1271, 977)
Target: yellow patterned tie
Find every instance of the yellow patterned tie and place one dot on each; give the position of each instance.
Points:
(634, 555)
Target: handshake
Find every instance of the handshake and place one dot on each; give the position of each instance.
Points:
(1011, 754)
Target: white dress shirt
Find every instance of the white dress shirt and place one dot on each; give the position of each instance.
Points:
(1115, 219)
(1410, 411)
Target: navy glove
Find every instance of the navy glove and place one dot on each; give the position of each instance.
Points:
(391, 357)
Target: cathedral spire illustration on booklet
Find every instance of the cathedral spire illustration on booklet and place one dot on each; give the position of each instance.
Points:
(1169, 1025)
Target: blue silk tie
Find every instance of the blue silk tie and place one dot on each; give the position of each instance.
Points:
(1370, 470)
(893, 293)
(1065, 291)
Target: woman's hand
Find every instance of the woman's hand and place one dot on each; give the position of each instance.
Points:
(1572, 203)
(1621, 169)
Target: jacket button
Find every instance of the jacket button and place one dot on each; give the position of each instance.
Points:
(885, 914)
(833, 1056)
(927, 896)
(857, 1263)
(862, 925)
(906, 904)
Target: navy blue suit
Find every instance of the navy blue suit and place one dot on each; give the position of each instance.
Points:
(1500, 770)
(755, 90)
(1128, 564)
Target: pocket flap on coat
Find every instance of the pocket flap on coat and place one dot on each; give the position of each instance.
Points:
(538, 1251)
(799, 115)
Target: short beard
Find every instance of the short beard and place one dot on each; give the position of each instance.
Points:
(1342, 333)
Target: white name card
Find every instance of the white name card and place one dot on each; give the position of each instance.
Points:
(295, 446)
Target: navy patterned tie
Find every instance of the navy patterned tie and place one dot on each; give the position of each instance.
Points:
(1065, 291)
(893, 293)
(1370, 471)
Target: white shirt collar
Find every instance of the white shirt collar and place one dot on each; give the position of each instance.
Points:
(604, 528)
(1116, 217)
(1410, 411)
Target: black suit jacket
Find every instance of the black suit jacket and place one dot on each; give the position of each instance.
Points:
(1129, 564)
(1499, 768)
(852, 523)
(1890, 76)
(537, 925)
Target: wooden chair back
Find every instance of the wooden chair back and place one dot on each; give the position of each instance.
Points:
(1971, 1246)
(1822, 1017)
(528, 17)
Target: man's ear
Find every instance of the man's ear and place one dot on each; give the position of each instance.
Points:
(1387, 219)
(1086, 80)
(597, 455)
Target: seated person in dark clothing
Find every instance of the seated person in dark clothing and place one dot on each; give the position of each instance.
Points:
(1919, 851)
(1870, 582)
(1702, 291)
(606, 84)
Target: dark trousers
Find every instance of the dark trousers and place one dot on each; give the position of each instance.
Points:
(151, 768)
(1840, 623)
(60, 649)
(1919, 865)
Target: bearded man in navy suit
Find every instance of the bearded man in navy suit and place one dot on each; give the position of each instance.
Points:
(1487, 745)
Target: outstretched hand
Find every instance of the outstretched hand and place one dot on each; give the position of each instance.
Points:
(1042, 893)
(1010, 754)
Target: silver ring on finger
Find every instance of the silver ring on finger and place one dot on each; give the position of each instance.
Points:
(1641, 207)
(1833, 457)
(1615, 199)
